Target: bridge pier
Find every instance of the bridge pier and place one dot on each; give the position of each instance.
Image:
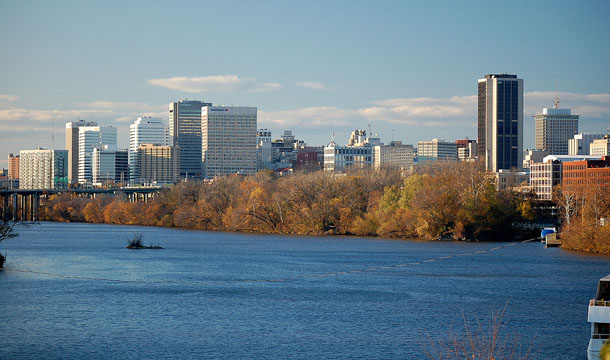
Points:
(15, 206)
(4, 207)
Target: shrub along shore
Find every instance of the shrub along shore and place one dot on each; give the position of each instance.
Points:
(440, 201)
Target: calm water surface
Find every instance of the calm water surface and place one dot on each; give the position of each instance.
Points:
(193, 299)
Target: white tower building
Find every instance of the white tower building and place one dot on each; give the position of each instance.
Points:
(554, 127)
(228, 140)
(145, 130)
(43, 169)
(88, 137)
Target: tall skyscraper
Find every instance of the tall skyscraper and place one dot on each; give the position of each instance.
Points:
(43, 169)
(145, 130)
(185, 132)
(72, 146)
(88, 137)
(500, 121)
(228, 137)
(554, 128)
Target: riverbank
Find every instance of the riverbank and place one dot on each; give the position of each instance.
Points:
(444, 201)
(586, 237)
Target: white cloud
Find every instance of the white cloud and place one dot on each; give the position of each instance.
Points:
(313, 85)
(123, 105)
(5, 99)
(411, 111)
(216, 83)
(426, 111)
(309, 116)
(28, 115)
(587, 105)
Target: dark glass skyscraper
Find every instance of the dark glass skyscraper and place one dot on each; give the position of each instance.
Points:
(500, 121)
(185, 131)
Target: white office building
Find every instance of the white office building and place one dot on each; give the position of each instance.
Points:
(228, 140)
(600, 147)
(436, 149)
(145, 130)
(88, 138)
(580, 144)
(357, 154)
(554, 127)
(396, 156)
(43, 169)
(264, 151)
(72, 130)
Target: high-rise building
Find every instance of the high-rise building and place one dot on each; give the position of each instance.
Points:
(88, 138)
(43, 169)
(185, 132)
(145, 130)
(109, 165)
(263, 148)
(579, 145)
(72, 130)
(554, 127)
(436, 150)
(500, 121)
(600, 147)
(159, 164)
(228, 140)
(103, 164)
(13, 166)
(121, 166)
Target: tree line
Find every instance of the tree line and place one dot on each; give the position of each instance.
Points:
(439, 201)
(586, 214)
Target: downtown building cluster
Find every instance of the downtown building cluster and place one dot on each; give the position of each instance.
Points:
(198, 141)
(201, 141)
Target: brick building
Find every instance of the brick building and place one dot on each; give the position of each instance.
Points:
(577, 175)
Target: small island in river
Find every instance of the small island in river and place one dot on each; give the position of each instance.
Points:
(136, 243)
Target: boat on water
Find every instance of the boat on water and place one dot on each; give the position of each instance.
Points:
(545, 232)
(599, 317)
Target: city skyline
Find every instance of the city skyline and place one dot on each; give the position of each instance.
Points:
(411, 72)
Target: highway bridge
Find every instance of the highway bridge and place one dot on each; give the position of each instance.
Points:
(23, 204)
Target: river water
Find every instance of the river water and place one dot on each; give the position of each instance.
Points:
(75, 291)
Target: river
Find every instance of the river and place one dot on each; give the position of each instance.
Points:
(74, 291)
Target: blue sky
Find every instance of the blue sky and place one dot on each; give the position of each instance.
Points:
(311, 67)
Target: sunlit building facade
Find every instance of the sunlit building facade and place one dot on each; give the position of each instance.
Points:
(228, 140)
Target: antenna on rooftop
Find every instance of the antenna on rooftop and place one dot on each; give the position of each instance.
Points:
(392, 134)
(556, 102)
(53, 133)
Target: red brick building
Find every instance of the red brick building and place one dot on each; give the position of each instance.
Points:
(578, 175)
